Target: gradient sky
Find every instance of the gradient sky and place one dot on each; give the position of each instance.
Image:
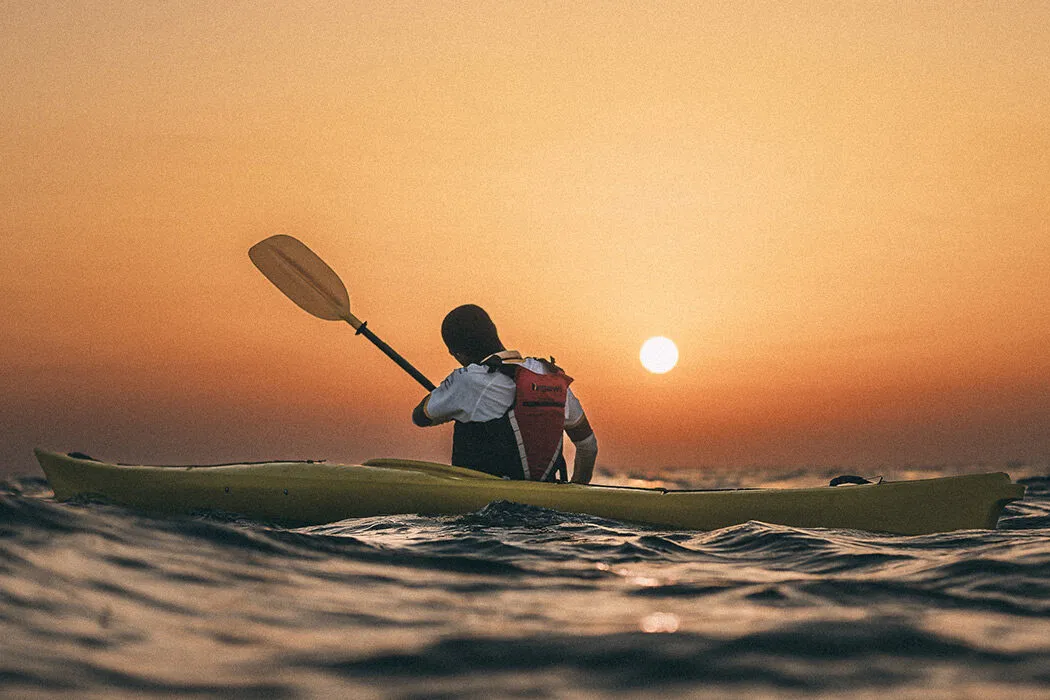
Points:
(838, 210)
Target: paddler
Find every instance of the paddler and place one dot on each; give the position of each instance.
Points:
(509, 411)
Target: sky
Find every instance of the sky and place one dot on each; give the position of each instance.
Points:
(837, 210)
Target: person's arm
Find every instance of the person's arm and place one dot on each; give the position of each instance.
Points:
(420, 416)
(444, 403)
(586, 444)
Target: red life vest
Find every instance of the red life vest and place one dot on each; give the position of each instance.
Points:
(525, 442)
(538, 419)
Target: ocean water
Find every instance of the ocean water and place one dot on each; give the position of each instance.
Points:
(513, 601)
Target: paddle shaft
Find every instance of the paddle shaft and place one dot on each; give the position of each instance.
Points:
(362, 329)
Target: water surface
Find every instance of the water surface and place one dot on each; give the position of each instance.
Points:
(96, 600)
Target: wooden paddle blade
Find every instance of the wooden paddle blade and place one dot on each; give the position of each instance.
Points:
(302, 276)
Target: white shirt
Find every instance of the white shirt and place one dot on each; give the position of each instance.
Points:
(473, 394)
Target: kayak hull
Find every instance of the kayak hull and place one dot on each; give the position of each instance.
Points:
(305, 493)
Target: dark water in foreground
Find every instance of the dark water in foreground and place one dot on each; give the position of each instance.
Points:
(96, 601)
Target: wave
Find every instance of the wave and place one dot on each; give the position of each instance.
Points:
(511, 600)
(803, 658)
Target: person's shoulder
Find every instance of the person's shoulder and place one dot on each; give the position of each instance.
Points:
(454, 377)
(541, 365)
(470, 374)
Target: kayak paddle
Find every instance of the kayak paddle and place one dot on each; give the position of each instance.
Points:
(316, 288)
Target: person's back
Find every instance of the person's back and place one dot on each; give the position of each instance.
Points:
(509, 411)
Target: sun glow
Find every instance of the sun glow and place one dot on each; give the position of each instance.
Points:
(659, 354)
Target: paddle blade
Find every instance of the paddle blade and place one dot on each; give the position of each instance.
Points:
(302, 276)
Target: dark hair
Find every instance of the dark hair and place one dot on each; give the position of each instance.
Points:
(467, 330)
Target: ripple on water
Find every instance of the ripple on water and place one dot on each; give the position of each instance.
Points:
(512, 600)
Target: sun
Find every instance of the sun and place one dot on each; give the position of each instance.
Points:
(659, 354)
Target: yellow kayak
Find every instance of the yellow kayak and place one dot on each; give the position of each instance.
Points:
(305, 493)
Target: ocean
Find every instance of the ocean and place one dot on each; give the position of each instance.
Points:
(514, 601)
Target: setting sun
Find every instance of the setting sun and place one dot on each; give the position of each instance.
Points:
(659, 355)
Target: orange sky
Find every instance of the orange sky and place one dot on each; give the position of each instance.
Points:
(839, 212)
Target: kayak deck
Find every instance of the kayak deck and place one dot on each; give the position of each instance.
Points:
(304, 493)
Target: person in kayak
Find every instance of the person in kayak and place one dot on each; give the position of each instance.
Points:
(509, 411)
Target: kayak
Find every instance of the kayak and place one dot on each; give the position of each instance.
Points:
(309, 493)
